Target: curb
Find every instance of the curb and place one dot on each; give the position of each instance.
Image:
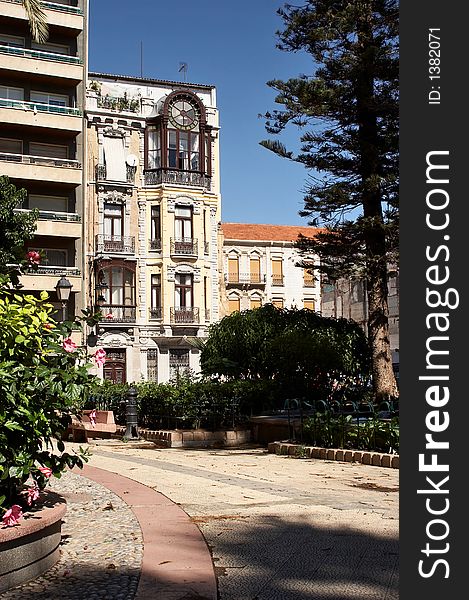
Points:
(176, 561)
(377, 459)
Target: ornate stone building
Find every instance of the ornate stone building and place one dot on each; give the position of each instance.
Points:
(153, 208)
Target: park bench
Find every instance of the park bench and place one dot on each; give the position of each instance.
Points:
(82, 428)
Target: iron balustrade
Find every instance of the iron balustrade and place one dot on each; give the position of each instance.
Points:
(101, 173)
(156, 313)
(185, 246)
(115, 244)
(184, 315)
(47, 161)
(112, 313)
(54, 270)
(40, 54)
(249, 278)
(41, 107)
(155, 244)
(177, 177)
(277, 279)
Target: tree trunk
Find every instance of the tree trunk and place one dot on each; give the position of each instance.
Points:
(384, 380)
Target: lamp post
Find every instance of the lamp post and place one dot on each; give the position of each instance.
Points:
(63, 289)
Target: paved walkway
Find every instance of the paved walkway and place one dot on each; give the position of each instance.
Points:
(278, 528)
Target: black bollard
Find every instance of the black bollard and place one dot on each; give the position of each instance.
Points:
(131, 432)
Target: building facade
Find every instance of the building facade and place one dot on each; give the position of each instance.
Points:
(260, 267)
(42, 135)
(152, 214)
(347, 298)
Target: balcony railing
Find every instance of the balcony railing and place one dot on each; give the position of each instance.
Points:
(155, 244)
(50, 215)
(54, 270)
(47, 161)
(40, 54)
(245, 278)
(179, 362)
(101, 173)
(172, 176)
(118, 244)
(118, 314)
(40, 107)
(184, 315)
(184, 246)
(156, 313)
(61, 7)
(277, 279)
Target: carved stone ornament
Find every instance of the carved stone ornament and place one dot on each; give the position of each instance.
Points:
(114, 132)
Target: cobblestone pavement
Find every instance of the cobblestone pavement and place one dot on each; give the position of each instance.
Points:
(100, 552)
(279, 528)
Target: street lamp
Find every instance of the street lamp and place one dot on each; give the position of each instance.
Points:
(63, 289)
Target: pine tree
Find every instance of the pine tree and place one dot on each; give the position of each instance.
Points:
(347, 110)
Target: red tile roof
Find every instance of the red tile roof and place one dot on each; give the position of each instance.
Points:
(275, 233)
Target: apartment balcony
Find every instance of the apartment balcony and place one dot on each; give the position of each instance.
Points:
(35, 62)
(58, 14)
(184, 247)
(115, 244)
(118, 314)
(155, 245)
(36, 114)
(101, 174)
(177, 178)
(58, 224)
(46, 277)
(41, 168)
(254, 279)
(277, 280)
(156, 314)
(184, 315)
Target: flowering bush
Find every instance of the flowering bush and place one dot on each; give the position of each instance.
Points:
(44, 379)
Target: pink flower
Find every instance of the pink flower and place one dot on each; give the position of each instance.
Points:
(69, 345)
(33, 257)
(100, 357)
(46, 471)
(48, 326)
(12, 515)
(92, 417)
(33, 494)
(109, 316)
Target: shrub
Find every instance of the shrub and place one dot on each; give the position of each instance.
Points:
(44, 379)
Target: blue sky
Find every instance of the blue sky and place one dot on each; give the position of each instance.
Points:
(227, 44)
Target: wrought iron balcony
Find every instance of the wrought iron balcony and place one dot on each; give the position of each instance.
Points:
(176, 177)
(184, 315)
(115, 244)
(54, 270)
(277, 279)
(184, 246)
(101, 173)
(245, 278)
(155, 244)
(156, 313)
(118, 313)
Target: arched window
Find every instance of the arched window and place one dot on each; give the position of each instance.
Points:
(177, 142)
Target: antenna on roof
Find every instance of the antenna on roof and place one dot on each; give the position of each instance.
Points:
(183, 68)
(141, 58)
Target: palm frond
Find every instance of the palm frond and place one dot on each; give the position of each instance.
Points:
(37, 20)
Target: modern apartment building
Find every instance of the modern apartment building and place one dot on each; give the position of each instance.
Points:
(42, 134)
(152, 214)
(260, 266)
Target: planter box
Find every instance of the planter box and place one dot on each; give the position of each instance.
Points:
(32, 547)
